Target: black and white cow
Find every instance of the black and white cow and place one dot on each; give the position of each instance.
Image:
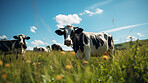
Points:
(38, 49)
(17, 46)
(56, 47)
(86, 44)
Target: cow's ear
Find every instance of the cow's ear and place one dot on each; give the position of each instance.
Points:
(59, 32)
(79, 30)
(27, 38)
(15, 37)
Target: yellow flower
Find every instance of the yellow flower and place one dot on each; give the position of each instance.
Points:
(28, 61)
(4, 76)
(39, 63)
(62, 52)
(39, 55)
(59, 77)
(33, 64)
(7, 65)
(73, 53)
(68, 66)
(138, 49)
(86, 62)
(105, 57)
(1, 62)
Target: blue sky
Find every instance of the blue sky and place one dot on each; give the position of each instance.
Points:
(40, 18)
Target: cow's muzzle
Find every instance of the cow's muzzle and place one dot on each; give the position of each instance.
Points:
(67, 42)
(21, 43)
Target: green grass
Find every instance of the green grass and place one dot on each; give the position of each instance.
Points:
(127, 66)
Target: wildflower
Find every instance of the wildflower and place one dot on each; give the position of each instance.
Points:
(34, 64)
(68, 66)
(28, 61)
(130, 37)
(59, 77)
(7, 65)
(138, 49)
(1, 62)
(39, 63)
(62, 52)
(73, 53)
(39, 55)
(105, 57)
(4, 76)
(86, 62)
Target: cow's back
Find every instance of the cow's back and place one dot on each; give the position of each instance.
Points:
(97, 43)
(6, 45)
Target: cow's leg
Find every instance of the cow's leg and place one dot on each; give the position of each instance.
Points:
(16, 54)
(79, 55)
(87, 52)
(23, 53)
(87, 55)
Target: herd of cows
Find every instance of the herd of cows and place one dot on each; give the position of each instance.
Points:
(85, 44)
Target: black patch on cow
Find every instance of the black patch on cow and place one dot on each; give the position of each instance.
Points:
(7, 45)
(79, 40)
(17, 45)
(109, 41)
(85, 39)
(105, 36)
(97, 41)
(78, 31)
(56, 47)
(72, 34)
(59, 32)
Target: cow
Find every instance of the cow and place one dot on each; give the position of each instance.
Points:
(17, 46)
(38, 49)
(86, 44)
(56, 47)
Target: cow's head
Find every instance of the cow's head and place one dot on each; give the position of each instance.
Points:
(68, 31)
(21, 38)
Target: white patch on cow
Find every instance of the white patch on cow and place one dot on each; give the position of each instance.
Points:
(68, 32)
(90, 49)
(21, 42)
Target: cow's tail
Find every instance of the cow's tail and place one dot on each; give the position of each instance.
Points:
(111, 44)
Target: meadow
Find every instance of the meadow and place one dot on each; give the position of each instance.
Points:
(127, 66)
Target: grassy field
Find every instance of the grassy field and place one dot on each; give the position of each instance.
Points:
(127, 66)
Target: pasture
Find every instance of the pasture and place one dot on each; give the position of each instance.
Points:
(127, 66)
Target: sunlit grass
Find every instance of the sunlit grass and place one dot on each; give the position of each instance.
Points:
(128, 66)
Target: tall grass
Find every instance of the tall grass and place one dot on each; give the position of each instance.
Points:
(127, 66)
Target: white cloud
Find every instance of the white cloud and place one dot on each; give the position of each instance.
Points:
(125, 27)
(97, 11)
(116, 40)
(33, 28)
(3, 37)
(139, 34)
(38, 42)
(67, 19)
(99, 4)
(54, 41)
(29, 48)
